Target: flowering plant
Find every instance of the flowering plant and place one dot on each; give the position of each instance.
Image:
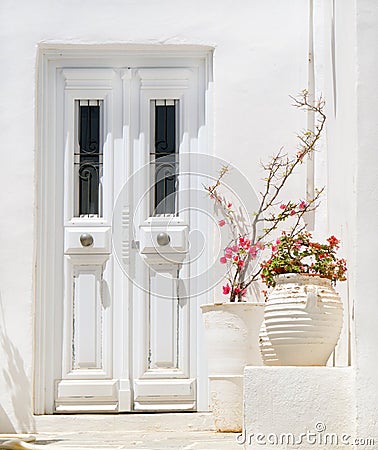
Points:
(297, 253)
(248, 241)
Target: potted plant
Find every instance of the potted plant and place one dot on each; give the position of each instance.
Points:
(303, 314)
(232, 322)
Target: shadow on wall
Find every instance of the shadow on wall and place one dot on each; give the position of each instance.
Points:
(17, 382)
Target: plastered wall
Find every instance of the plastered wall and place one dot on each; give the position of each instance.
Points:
(260, 58)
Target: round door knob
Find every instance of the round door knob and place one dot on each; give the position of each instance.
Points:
(163, 239)
(86, 240)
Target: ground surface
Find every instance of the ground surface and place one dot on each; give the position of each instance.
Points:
(188, 431)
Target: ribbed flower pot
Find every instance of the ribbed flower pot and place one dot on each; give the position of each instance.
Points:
(268, 354)
(231, 333)
(302, 321)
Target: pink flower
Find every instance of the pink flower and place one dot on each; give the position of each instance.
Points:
(260, 246)
(235, 248)
(226, 289)
(241, 263)
(274, 248)
(333, 241)
(221, 223)
(302, 205)
(292, 212)
(298, 244)
(253, 251)
(278, 241)
(229, 205)
(283, 206)
(222, 260)
(300, 154)
(244, 243)
(237, 291)
(228, 253)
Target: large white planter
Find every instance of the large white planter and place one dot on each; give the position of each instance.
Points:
(232, 336)
(268, 354)
(302, 321)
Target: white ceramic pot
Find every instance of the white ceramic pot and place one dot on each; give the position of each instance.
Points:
(268, 354)
(232, 336)
(303, 320)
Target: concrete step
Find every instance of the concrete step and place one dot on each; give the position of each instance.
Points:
(177, 422)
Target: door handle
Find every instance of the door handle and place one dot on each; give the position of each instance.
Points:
(163, 239)
(86, 240)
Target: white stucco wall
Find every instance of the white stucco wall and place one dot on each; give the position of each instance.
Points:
(347, 75)
(260, 59)
(297, 403)
(346, 67)
(366, 307)
(336, 75)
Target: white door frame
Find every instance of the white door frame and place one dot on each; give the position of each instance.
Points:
(49, 211)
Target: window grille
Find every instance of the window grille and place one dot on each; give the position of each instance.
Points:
(88, 158)
(164, 157)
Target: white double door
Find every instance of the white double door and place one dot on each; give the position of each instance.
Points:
(129, 335)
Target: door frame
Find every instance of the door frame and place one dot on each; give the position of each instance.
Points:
(48, 288)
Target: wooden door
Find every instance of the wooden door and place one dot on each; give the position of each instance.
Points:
(129, 331)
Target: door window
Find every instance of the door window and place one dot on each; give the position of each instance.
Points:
(164, 158)
(88, 158)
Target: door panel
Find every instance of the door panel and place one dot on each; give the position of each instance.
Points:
(88, 381)
(164, 391)
(163, 378)
(87, 324)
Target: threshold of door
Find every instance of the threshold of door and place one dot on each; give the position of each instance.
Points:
(185, 421)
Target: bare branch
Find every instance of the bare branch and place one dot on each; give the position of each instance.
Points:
(277, 171)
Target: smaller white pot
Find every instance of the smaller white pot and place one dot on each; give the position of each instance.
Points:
(303, 320)
(232, 340)
(226, 394)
